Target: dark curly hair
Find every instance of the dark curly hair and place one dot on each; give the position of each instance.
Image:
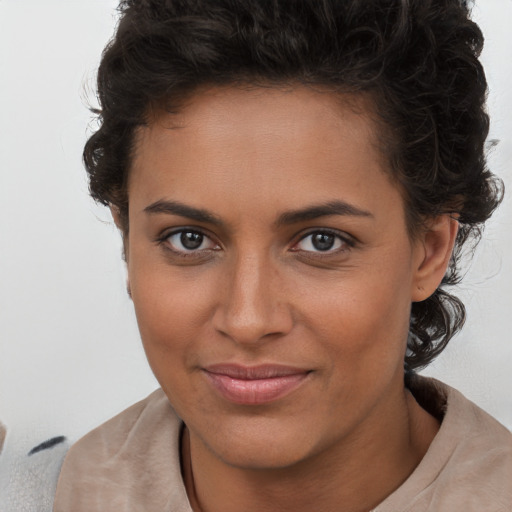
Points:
(416, 59)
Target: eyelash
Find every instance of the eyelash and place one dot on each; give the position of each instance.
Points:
(165, 243)
(346, 241)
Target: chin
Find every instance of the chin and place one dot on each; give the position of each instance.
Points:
(261, 444)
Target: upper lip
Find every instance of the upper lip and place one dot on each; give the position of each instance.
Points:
(263, 371)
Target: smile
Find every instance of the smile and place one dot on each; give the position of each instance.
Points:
(254, 385)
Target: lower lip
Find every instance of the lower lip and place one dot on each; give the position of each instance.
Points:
(255, 391)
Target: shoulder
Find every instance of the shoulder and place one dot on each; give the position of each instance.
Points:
(480, 465)
(479, 469)
(28, 475)
(468, 465)
(109, 439)
(131, 457)
(461, 419)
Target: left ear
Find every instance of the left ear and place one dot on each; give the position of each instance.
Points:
(434, 249)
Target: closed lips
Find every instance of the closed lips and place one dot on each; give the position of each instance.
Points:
(254, 385)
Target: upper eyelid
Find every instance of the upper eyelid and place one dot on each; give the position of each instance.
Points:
(343, 235)
(166, 233)
(190, 255)
(346, 237)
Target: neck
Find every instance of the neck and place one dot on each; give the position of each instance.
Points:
(355, 475)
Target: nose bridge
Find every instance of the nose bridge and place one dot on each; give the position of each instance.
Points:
(251, 308)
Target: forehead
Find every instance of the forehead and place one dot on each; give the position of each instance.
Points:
(236, 114)
(219, 102)
(294, 145)
(263, 112)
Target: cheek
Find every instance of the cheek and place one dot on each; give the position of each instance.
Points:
(362, 316)
(171, 311)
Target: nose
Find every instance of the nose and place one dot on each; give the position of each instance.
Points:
(253, 304)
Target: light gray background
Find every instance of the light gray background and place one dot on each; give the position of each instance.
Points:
(70, 356)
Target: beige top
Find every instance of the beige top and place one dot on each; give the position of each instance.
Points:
(132, 462)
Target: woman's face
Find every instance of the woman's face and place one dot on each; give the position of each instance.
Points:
(271, 271)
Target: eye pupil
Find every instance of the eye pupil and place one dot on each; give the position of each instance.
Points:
(323, 241)
(191, 239)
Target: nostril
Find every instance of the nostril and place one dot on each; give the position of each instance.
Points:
(253, 325)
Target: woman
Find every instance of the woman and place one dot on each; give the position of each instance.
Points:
(294, 183)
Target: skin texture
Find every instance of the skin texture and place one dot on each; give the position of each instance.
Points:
(257, 291)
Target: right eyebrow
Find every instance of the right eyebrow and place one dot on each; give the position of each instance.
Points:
(183, 210)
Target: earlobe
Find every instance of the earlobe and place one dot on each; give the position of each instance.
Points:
(434, 253)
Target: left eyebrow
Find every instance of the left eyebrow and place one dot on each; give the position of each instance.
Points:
(321, 210)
